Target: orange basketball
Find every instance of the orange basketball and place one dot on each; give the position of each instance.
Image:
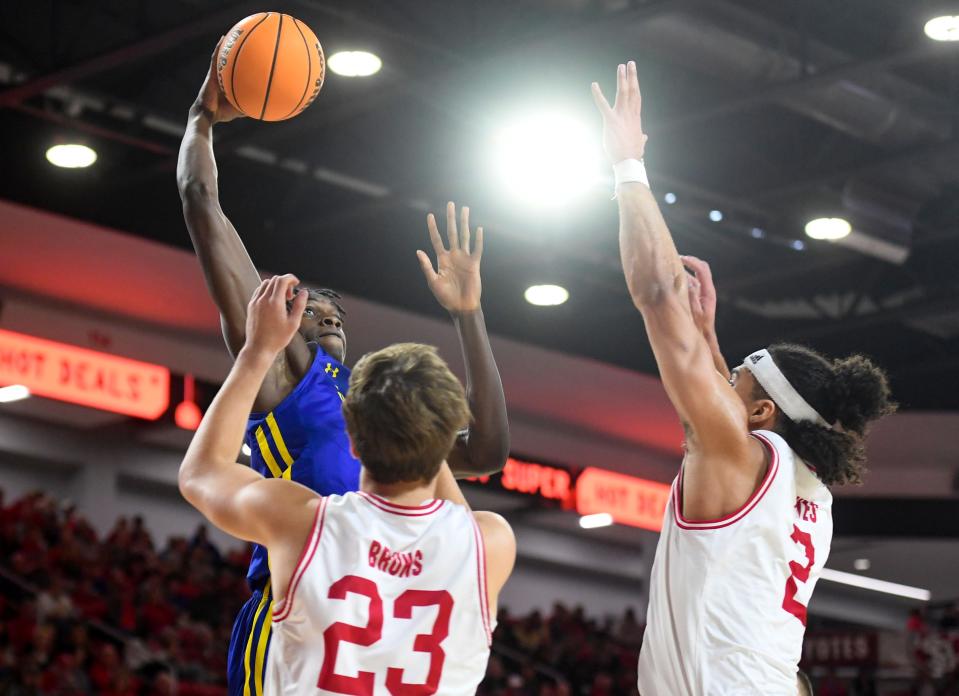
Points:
(271, 66)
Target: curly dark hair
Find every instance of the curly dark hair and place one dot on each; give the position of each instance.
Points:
(851, 393)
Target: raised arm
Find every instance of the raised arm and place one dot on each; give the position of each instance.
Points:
(234, 497)
(723, 459)
(456, 284)
(230, 274)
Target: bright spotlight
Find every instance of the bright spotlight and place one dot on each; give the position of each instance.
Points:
(546, 159)
(15, 392)
(71, 156)
(828, 228)
(599, 519)
(716, 215)
(546, 295)
(670, 198)
(945, 28)
(355, 63)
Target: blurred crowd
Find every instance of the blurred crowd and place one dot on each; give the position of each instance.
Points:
(117, 616)
(563, 653)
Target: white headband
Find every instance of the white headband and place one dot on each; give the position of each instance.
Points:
(783, 394)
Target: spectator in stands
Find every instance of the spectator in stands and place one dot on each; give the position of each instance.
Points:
(53, 603)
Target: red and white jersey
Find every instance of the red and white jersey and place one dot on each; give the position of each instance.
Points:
(386, 599)
(727, 603)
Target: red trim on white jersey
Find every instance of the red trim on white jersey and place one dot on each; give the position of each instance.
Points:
(405, 510)
(482, 585)
(282, 608)
(737, 515)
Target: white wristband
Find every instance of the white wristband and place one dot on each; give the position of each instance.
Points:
(630, 171)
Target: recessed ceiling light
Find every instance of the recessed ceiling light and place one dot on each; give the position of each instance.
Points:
(797, 244)
(15, 392)
(861, 564)
(246, 450)
(355, 63)
(71, 156)
(945, 28)
(831, 229)
(546, 295)
(757, 233)
(599, 519)
(716, 215)
(670, 198)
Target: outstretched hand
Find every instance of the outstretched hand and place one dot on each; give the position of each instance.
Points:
(271, 323)
(211, 97)
(623, 136)
(702, 294)
(456, 280)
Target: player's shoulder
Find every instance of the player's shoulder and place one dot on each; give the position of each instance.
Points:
(496, 530)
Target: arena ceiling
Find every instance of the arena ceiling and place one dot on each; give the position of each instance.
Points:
(769, 112)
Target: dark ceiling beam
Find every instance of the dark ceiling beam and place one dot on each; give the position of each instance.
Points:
(96, 131)
(138, 50)
(782, 90)
(944, 301)
(909, 155)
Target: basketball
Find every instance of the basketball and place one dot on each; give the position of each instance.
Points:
(271, 66)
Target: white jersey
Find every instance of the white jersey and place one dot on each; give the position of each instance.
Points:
(386, 599)
(727, 604)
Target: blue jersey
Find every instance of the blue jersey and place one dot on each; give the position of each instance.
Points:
(304, 439)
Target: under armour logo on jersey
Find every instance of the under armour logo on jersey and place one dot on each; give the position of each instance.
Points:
(332, 370)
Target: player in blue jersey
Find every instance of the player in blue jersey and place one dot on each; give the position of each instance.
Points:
(297, 430)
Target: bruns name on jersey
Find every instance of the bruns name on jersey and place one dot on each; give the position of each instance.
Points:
(401, 565)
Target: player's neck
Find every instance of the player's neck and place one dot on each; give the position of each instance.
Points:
(399, 493)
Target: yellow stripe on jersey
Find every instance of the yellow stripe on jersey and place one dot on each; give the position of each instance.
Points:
(249, 641)
(259, 667)
(278, 440)
(266, 453)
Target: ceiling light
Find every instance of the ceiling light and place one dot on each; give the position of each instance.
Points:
(828, 228)
(546, 295)
(716, 215)
(546, 159)
(861, 564)
(246, 450)
(599, 519)
(670, 198)
(71, 156)
(354, 63)
(945, 28)
(892, 588)
(15, 392)
(797, 244)
(757, 233)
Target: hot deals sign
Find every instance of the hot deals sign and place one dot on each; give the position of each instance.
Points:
(86, 377)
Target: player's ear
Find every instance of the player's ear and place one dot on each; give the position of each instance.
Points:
(762, 413)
